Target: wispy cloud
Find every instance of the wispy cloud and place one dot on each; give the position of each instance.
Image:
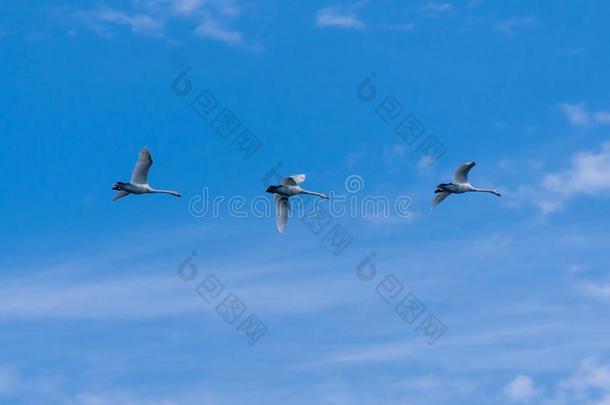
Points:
(578, 115)
(138, 23)
(9, 380)
(60, 292)
(338, 18)
(211, 28)
(521, 389)
(399, 27)
(437, 7)
(103, 21)
(378, 353)
(589, 374)
(597, 290)
(589, 384)
(587, 174)
(509, 26)
(142, 297)
(214, 17)
(210, 19)
(186, 7)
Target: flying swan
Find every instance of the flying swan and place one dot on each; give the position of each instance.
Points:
(459, 185)
(139, 179)
(288, 187)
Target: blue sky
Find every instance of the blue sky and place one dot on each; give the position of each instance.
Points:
(92, 309)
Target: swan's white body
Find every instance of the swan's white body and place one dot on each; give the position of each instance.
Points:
(139, 179)
(289, 186)
(459, 185)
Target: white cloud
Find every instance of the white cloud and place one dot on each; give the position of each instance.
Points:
(400, 27)
(228, 8)
(46, 294)
(425, 163)
(105, 21)
(209, 19)
(438, 7)
(394, 156)
(211, 29)
(505, 164)
(578, 115)
(122, 298)
(121, 398)
(587, 175)
(138, 23)
(509, 26)
(35, 36)
(354, 158)
(605, 400)
(601, 117)
(186, 7)
(335, 17)
(9, 380)
(378, 353)
(521, 389)
(598, 291)
(589, 384)
(392, 152)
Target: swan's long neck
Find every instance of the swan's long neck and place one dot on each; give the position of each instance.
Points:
(174, 193)
(484, 190)
(314, 193)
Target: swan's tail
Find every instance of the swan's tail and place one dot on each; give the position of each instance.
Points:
(120, 195)
(439, 198)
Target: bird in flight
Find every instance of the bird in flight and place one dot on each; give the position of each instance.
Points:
(459, 185)
(288, 187)
(139, 179)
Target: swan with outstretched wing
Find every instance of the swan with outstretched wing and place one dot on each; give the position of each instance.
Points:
(459, 185)
(289, 186)
(139, 179)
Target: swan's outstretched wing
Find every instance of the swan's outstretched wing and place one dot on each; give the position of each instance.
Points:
(439, 198)
(119, 195)
(282, 206)
(461, 173)
(293, 180)
(140, 171)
